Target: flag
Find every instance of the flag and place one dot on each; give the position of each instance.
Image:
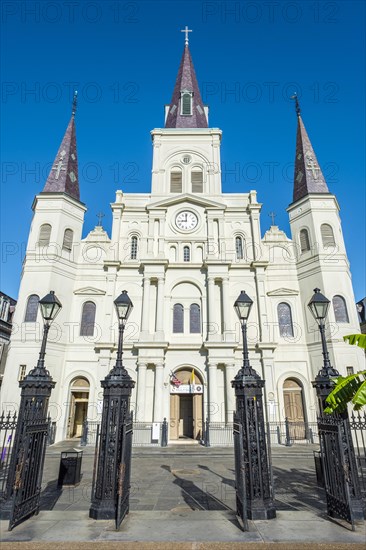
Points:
(174, 380)
(192, 379)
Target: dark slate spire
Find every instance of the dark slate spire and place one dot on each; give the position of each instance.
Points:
(186, 82)
(308, 175)
(63, 177)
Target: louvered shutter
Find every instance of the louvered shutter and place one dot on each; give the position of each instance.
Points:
(68, 238)
(197, 181)
(194, 319)
(186, 104)
(87, 319)
(304, 240)
(327, 235)
(32, 309)
(44, 235)
(176, 181)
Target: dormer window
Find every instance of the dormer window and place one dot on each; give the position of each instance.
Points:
(186, 103)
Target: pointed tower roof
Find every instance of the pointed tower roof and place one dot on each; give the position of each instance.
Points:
(308, 176)
(186, 82)
(63, 177)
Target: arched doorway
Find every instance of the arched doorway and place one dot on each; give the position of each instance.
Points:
(79, 398)
(294, 407)
(186, 404)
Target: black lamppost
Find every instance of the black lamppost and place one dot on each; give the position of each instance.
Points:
(319, 306)
(26, 466)
(111, 497)
(254, 495)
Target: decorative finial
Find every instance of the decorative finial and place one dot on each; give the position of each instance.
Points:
(74, 103)
(272, 215)
(100, 215)
(186, 31)
(297, 104)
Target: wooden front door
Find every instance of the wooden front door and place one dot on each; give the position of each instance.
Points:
(294, 408)
(185, 416)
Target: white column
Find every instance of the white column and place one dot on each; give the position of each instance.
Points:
(160, 306)
(141, 387)
(213, 406)
(229, 391)
(212, 327)
(158, 392)
(226, 305)
(145, 305)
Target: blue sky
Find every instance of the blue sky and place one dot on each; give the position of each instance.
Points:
(123, 58)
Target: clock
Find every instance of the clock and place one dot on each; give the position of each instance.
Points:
(186, 220)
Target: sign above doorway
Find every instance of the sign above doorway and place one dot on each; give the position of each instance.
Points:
(187, 388)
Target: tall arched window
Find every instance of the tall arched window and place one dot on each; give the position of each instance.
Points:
(327, 235)
(176, 180)
(186, 103)
(178, 318)
(197, 180)
(134, 248)
(32, 309)
(44, 235)
(186, 254)
(340, 309)
(68, 238)
(88, 319)
(285, 319)
(194, 319)
(239, 248)
(304, 240)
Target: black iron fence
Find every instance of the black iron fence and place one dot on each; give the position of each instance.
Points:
(357, 422)
(145, 434)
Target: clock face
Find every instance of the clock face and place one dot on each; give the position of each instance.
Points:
(186, 220)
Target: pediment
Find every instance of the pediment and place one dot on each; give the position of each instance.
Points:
(283, 292)
(187, 198)
(89, 291)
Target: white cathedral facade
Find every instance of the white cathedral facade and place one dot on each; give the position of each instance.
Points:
(183, 252)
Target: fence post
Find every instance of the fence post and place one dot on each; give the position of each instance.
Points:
(278, 430)
(311, 435)
(164, 433)
(287, 429)
(207, 433)
(84, 434)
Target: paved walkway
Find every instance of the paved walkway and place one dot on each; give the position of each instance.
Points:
(186, 493)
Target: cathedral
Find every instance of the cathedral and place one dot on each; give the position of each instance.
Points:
(183, 252)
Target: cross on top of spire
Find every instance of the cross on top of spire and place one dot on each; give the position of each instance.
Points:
(74, 103)
(297, 104)
(186, 30)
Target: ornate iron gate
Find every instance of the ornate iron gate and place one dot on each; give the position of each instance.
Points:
(124, 474)
(342, 490)
(28, 469)
(240, 487)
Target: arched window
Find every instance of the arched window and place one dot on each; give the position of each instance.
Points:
(176, 180)
(87, 319)
(186, 254)
(194, 318)
(285, 319)
(304, 240)
(134, 248)
(186, 103)
(68, 238)
(239, 248)
(32, 309)
(327, 235)
(340, 309)
(44, 235)
(197, 180)
(178, 318)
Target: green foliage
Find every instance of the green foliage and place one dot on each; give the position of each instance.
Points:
(356, 340)
(347, 389)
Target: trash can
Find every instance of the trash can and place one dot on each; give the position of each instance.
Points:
(70, 467)
(319, 468)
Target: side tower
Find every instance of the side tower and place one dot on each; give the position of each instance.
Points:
(322, 258)
(50, 263)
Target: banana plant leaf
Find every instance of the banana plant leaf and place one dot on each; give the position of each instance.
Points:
(347, 389)
(356, 340)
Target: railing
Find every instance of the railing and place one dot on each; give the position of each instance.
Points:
(357, 422)
(145, 434)
(220, 434)
(8, 424)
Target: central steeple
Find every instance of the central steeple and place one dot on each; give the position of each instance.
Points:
(186, 109)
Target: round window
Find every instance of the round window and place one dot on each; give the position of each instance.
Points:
(186, 159)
